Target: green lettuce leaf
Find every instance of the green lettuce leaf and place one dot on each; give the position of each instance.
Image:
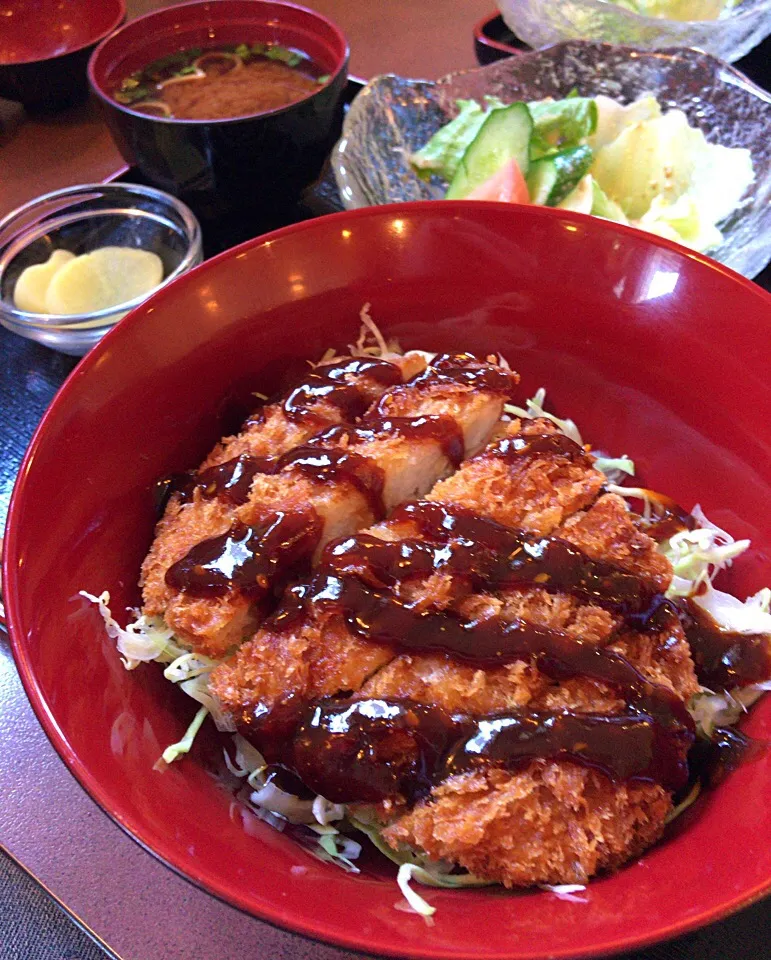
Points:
(678, 9)
(559, 124)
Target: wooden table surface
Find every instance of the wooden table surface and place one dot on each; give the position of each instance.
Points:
(406, 37)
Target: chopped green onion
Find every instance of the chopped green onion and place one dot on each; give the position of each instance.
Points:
(289, 57)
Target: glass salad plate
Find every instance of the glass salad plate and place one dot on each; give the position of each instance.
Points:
(695, 23)
(395, 116)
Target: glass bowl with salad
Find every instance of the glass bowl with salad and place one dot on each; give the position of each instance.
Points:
(724, 28)
(673, 142)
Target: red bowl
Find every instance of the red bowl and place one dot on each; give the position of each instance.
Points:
(493, 40)
(655, 352)
(217, 166)
(45, 46)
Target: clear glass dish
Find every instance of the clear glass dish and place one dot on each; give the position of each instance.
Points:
(543, 22)
(394, 116)
(81, 219)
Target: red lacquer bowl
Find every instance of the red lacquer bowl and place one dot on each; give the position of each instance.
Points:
(654, 351)
(45, 46)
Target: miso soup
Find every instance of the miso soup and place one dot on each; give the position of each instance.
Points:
(221, 83)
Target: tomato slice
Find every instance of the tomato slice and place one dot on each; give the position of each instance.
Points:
(507, 185)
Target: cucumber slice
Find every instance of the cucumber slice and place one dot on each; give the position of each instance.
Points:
(541, 180)
(504, 135)
(580, 199)
(551, 179)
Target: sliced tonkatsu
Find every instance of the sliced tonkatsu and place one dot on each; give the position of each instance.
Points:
(325, 396)
(500, 655)
(250, 522)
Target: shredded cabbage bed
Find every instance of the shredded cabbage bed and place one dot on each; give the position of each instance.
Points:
(697, 557)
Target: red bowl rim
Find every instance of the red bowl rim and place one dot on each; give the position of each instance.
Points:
(288, 920)
(487, 41)
(102, 35)
(222, 121)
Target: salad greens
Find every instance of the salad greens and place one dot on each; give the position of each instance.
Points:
(678, 9)
(630, 163)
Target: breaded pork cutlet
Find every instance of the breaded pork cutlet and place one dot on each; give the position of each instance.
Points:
(321, 398)
(340, 480)
(319, 656)
(547, 821)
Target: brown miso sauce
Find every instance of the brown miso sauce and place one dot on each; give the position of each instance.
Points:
(465, 370)
(232, 480)
(331, 383)
(670, 518)
(537, 445)
(442, 429)
(369, 750)
(330, 465)
(727, 750)
(248, 558)
(724, 659)
(459, 541)
(229, 481)
(284, 779)
(356, 577)
(380, 617)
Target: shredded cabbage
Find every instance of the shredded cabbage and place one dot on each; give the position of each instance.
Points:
(439, 872)
(693, 795)
(147, 638)
(650, 500)
(406, 872)
(712, 709)
(698, 555)
(338, 849)
(534, 410)
(615, 467)
(284, 804)
(565, 891)
(612, 467)
(751, 618)
(175, 750)
(326, 812)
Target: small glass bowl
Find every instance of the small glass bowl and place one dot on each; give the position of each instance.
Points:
(394, 116)
(543, 22)
(81, 219)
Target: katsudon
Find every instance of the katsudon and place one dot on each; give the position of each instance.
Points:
(431, 615)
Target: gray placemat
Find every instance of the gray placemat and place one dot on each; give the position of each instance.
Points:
(33, 926)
